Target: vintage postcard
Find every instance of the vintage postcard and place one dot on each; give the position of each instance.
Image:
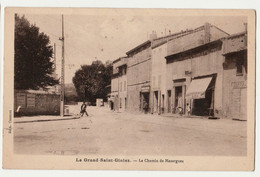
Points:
(129, 89)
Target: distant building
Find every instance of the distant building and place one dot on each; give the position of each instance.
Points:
(118, 97)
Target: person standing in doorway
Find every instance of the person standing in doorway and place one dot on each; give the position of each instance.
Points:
(188, 109)
(83, 109)
(180, 104)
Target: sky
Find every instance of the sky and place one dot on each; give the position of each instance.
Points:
(101, 37)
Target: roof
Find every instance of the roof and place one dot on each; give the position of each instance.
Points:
(203, 46)
(139, 46)
(116, 60)
(235, 35)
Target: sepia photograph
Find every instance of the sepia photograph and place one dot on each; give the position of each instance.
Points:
(129, 89)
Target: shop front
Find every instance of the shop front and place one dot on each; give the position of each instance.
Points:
(200, 96)
(144, 99)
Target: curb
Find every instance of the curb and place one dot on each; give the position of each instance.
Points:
(46, 120)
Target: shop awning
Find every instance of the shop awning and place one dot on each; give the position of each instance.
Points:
(198, 88)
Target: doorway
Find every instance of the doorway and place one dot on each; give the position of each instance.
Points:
(155, 104)
(162, 103)
(202, 107)
(145, 102)
(178, 98)
(169, 95)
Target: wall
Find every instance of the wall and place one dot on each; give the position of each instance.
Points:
(235, 43)
(114, 85)
(216, 33)
(234, 89)
(122, 91)
(235, 84)
(186, 42)
(138, 75)
(195, 38)
(36, 103)
(158, 76)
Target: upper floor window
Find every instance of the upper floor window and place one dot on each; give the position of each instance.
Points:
(240, 66)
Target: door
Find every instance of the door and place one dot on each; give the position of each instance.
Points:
(169, 100)
(155, 107)
(235, 104)
(243, 104)
(162, 103)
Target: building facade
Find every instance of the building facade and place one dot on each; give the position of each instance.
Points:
(138, 78)
(161, 97)
(194, 71)
(200, 72)
(235, 76)
(118, 96)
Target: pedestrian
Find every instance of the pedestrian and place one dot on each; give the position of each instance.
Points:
(83, 109)
(188, 109)
(145, 107)
(180, 111)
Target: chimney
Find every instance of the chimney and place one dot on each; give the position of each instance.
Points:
(153, 35)
(245, 24)
(207, 32)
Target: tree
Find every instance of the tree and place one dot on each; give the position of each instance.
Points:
(70, 96)
(32, 58)
(90, 81)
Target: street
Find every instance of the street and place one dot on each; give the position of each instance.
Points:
(112, 133)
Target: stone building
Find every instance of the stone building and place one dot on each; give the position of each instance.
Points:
(203, 70)
(194, 71)
(138, 78)
(118, 96)
(161, 98)
(235, 76)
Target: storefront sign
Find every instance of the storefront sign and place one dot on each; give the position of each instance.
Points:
(30, 100)
(239, 84)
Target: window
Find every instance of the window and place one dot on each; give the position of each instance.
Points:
(239, 64)
(124, 85)
(120, 86)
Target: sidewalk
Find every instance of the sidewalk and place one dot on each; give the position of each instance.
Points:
(183, 116)
(40, 118)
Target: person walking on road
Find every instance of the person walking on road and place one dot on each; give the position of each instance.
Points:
(83, 109)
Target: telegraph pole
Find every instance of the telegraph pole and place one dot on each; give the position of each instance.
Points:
(62, 72)
(54, 57)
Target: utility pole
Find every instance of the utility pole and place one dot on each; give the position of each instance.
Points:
(62, 72)
(54, 57)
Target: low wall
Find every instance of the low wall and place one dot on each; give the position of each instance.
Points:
(36, 103)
